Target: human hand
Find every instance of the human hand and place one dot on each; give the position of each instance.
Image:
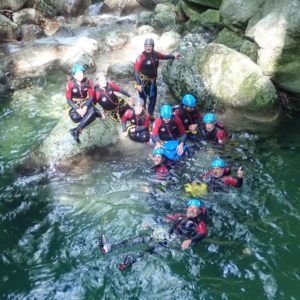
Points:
(185, 244)
(132, 130)
(158, 145)
(130, 101)
(139, 88)
(177, 55)
(82, 111)
(180, 149)
(125, 133)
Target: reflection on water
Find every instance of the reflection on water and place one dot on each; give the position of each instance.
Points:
(50, 221)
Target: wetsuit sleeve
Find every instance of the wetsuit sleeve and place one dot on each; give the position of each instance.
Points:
(221, 136)
(181, 129)
(174, 217)
(124, 119)
(118, 89)
(236, 182)
(69, 95)
(198, 119)
(154, 135)
(147, 120)
(201, 232)
(89, 102)
(137, 68)
(165, 56)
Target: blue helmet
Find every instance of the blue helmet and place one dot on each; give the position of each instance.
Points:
(218, 163)
(158, 151)
(189, 100)
(166, 111)
(77, 68)
(194, 202)
(209, 118)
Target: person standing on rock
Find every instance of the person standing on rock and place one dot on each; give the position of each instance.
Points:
(145, 71)
(104, 94)
(79, 94)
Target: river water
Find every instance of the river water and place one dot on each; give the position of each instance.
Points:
(50, 220)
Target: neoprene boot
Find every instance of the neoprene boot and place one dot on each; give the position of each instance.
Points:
(127, 262)
(75, 133)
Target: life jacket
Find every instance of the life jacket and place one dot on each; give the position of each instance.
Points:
(137, 120)
(79, 92)
(187, 118)
(170, 131)
(216, 184)
(170, 150)
(150, 64)
(107, 98)
(212, 135)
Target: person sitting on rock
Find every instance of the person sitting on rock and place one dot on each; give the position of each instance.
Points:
(139, 121)
(190, 116)
(168, 128)
(79, 94)
(213, 130)
(187, 229)
(145, 70)
(218, 179)
(104, 94)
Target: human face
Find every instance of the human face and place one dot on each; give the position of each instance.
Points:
(78, 76)
(138, 109)
(157, 159)
(167, 121)
(193, 211)
(210, 126)
(102, 80)
(148, 48)
(188, 108)
(217, 172)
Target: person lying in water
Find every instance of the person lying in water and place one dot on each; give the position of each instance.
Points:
(218, 179)
(187, 229)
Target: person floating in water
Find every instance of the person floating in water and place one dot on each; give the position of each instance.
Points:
(104, 94)
(218, 179)
(145, 70)
(187, 230)
(212, 130)
(79, 94)
(190, 116)
(168, 128)
(139, 121)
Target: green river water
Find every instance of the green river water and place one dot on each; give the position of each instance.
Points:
(50, 220)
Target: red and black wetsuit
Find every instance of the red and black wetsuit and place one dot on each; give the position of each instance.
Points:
(222, 183)
(79, 95)
(162, 170)
(140, 123)
(184, 227)
(145, 70)
(188, 118)
(189, 228)
(108, 100)
(168, 131)
(218, 134)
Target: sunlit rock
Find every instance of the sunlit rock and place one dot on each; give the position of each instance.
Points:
(145, 29)
(169, 41)
(223, 77)
(116, 39)
(8, 29)
(26, 16)
(123, 69)
(13, 5)
(122, 7)
(60, 147)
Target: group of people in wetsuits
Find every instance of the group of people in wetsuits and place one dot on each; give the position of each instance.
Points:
(168, 133)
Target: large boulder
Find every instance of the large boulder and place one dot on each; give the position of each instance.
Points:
(237, 13)
(169, 41)
(13, 5)
(59, 147)
(123, 7)
(121, 70)
(8, 29)
(164, 16)
(276, 30)
(224, 78)
(116, 39)
(208, 3)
